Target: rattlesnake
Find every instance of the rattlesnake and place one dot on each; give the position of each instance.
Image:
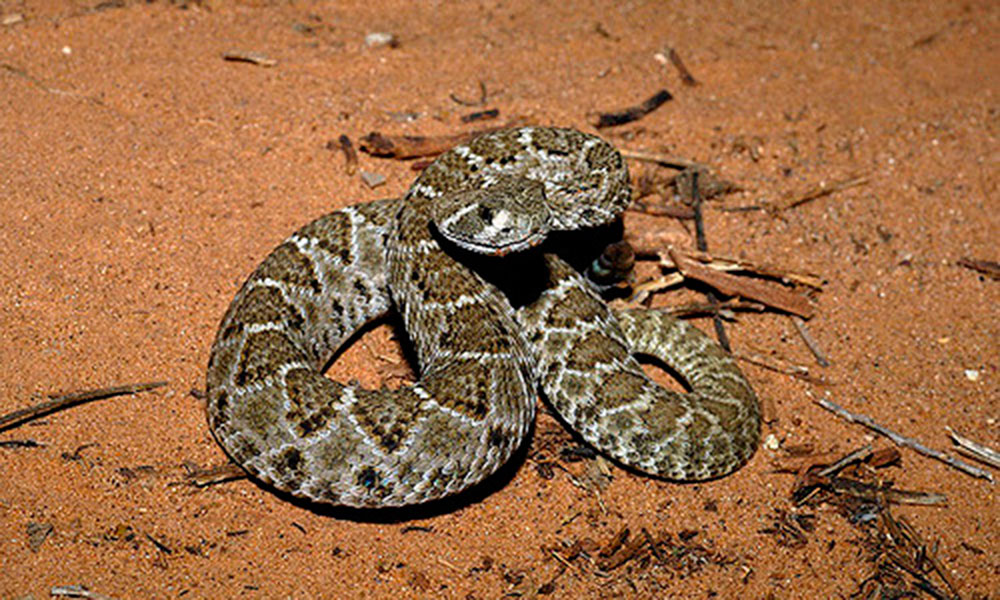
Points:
(482, 358)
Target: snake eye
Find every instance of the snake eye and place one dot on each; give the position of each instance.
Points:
(485, 213)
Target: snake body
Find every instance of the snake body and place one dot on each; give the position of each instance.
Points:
(482, 359)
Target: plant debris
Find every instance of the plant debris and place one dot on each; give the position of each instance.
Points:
(902, 564)
(975, 450)
(902, 440)
(254, 58)
(632, 113)
(986, 267)
(480, 115)
(350, 154)
(37, 533)
(212, 475)
(57, 403)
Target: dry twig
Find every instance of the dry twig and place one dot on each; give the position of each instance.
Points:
(664, 160)
(726, 309)
(975, 450)
(350, 154)
(254, 58)
(769, 294)
(823, 189)
(800, 326)
(718, 263)
(903, 440)
(727, 264)
(76, 591)
(632, 113)
(57, 403)
(858, 455)
(217, 474)
(986, 267)
(779, 365)
(682, 70)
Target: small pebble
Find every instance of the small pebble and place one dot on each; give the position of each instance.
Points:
(372, 180)
(377, 39)
(771, 442)
(972, 374)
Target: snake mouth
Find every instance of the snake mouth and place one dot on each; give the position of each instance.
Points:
(499, 247)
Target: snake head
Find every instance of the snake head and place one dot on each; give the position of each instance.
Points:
(508, 214)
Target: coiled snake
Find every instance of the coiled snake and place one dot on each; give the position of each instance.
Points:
(482, 360)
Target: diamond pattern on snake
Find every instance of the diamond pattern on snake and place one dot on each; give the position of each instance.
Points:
(477, 218)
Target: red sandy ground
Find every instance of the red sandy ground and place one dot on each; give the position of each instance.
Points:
(143, 177)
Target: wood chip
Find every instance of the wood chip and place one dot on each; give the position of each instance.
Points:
(632, 113)
(767, 293)
(255, 58)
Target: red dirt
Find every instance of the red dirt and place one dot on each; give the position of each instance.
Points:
(143, 177)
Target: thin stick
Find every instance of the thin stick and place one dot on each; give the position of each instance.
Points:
(216, 474)
(728, 263)
(858, 455)
(76, 591)
(701, 309)
(766, 292)
(975, 450)
(986, 267)
(19, 417)
(665, 160)
(702, 244)
(778, 365)
(682, 70)
(350, 154)
(818, 192)
(632, 113)
(902, 440)
(800, 326)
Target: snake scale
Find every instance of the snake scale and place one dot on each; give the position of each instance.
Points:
(475, 221)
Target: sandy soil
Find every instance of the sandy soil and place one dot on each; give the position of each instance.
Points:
(143, 177)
